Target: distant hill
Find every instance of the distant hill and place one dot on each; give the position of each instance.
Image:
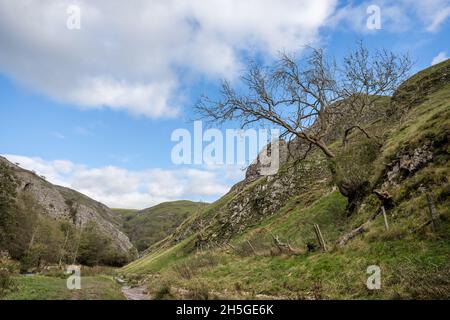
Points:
(147, 227)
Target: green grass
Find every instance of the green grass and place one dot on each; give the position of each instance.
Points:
(125, 214)
(99, 288)
(147, 227)
(426, 121)
(158, 260)
(294, 223)
(339, 274)
(39, 287)
(414, 265)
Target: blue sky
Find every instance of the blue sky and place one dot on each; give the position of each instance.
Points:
(94, 108)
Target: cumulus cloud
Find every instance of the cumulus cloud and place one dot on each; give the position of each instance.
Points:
(129, 57)
(122, 188)
(442, 56)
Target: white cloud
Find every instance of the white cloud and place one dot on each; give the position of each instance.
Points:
(396, 16)
(122, 188)
(129, 56)
(54, 171)
(433, 13)
(442, 56)
(355, 17)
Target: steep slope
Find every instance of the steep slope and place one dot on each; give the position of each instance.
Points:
(148, 226)
(64, 204)
(259, 238)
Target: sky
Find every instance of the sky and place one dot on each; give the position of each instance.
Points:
(90, 98)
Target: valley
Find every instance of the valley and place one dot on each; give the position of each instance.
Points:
(286, 236)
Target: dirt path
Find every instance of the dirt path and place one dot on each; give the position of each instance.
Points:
(137, 293)
(133, 293)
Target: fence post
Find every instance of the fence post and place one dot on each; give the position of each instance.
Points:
(385, 218)
(320, 237)
(253, 249)
(433, 214)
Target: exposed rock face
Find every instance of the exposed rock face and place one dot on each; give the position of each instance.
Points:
(265, 198)
(66, 204)
(256, 169)
(407, 163)
(253, 202)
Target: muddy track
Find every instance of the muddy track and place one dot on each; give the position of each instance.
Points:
(136, 293)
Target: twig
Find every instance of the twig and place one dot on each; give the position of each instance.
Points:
(280, 244)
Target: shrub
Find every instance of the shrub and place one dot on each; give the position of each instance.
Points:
(28, 261)
(97, 248)
(183, 271)
(198, 292)
(163, 292)
(6, 282)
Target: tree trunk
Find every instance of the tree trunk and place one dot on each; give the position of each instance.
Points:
(355, 193)
(362, 228)
(322, 145)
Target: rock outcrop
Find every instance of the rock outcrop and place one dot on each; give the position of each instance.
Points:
(406, 163)
(257, 169)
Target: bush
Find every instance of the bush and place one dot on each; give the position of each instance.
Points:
(198, 292)
(184, 271)
(45, 246)
(96, 248)
(6, 282)
(163, 292)
(28, 261)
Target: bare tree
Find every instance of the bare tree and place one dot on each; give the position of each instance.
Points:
(307, 98)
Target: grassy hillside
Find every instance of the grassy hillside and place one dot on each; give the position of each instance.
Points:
(228, 250)
(147, 227)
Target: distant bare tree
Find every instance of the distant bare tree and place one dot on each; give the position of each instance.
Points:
(307, 98)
